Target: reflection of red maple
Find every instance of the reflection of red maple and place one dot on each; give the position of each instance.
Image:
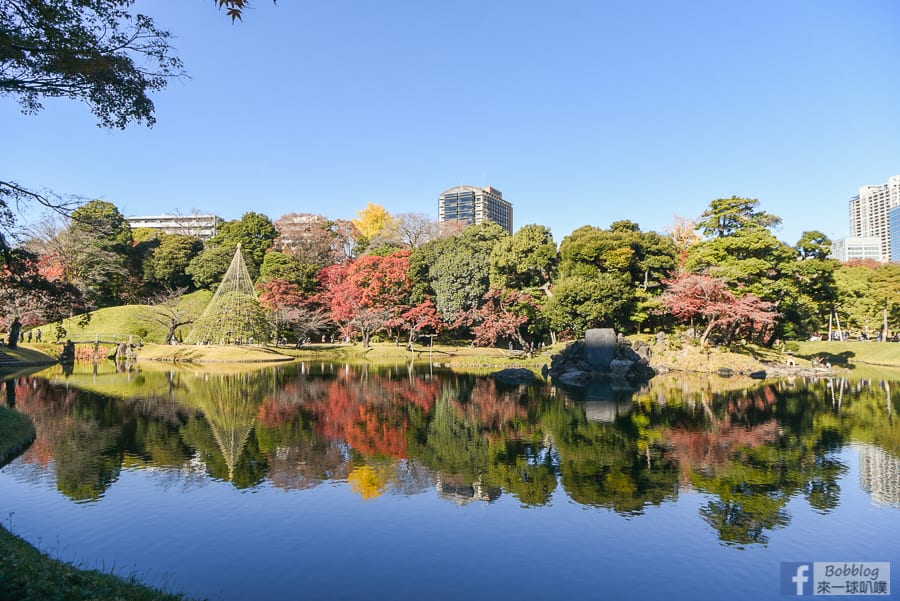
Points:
(494, 411)
(48, 407)
(709, 450)
(377, 432)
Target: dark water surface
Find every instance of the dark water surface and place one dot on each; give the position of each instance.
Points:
(321, 481)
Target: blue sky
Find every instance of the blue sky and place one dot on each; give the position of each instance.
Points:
(581, 112)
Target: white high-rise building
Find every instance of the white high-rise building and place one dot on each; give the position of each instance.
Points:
(870, 212)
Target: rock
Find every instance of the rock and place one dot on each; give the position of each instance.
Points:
(575, 378)
(620, 367)
(642, 350)
(599, 347)
(660, 338)
(758, 375)
(661, 369)
(514, 375)
(725, 372)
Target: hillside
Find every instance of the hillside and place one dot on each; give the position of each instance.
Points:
(130, 320)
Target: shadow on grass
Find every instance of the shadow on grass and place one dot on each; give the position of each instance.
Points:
(839, 359)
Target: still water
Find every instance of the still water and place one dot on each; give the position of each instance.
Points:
(322, 481)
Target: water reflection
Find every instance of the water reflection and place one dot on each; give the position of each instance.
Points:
(749, 449)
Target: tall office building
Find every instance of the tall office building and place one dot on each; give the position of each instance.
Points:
(470, 204)
(894, 219)
(870, 212)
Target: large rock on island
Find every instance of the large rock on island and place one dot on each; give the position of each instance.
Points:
(602, 353)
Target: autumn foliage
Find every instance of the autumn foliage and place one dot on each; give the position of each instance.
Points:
(702, 299)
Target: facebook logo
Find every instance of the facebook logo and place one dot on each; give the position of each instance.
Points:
(796, 578)
(836, 578)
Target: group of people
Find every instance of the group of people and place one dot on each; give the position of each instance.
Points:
(29, 335)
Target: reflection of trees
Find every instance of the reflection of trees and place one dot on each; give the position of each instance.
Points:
(753, 451)
(386, 430)
(230, 404)
(78, 435)
(600, 463)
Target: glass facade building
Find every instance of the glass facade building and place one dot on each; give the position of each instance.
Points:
(470, 204)
(895, 233)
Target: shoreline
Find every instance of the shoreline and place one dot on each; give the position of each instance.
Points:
(665, 357)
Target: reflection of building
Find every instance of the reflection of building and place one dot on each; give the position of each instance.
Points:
(879, 475)
(202, 226)
(606, 412)
(870, 212)
(470, 204)
(854, 248)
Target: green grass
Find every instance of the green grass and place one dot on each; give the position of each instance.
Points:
(26, 574)
(852, 352)
(129, 320)
(16, 433)
(32, 354)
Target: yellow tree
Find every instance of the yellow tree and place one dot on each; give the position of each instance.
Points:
(374, 223)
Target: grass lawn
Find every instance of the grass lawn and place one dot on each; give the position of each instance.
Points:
(129, 320)
(32, 354)
(387, 352)
(851, 352)
(26, 574)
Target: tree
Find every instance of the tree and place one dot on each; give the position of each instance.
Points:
(728, 216)
(290, 309)
(855, 304)
(581, 302)
(167, 264)
(416, 229)
(207, 268)
(365, 294)
(376, 227)
(372, 220)
(167, 310)
(285, 266)
(254, 232)
(814, 245)
(28, 298)
(623, 263)
(694, 298)
(683, 232)
(886, 293)
(235, 8)
(314, 239)
(458, 268)
(416, 319)
(526, 260)
(501, 316)
(96, 249)
(94, 51)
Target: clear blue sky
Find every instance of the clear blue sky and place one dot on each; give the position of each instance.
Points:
(581, 112)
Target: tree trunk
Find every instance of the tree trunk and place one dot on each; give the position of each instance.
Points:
(707, 332)
(15, 330)
(884, 327)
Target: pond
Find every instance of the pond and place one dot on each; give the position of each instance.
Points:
(317, 480)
